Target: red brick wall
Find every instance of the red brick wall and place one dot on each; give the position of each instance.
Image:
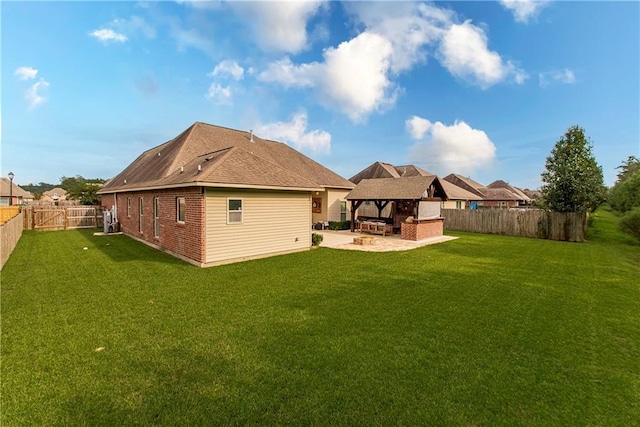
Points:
(423, 229)
(187, 240)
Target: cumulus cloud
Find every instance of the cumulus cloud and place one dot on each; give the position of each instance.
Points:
(219, 94)
(33, 96)
(26, 73)
(523, 10)
(457, 147)
(228, 68)
(107, 35)
(279, 26)
(295, 133)
(464, 52)
(353, 77)
(565, 76)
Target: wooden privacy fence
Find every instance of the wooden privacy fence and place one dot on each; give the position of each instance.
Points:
(8, 212)
(525, 223)
(53, 218)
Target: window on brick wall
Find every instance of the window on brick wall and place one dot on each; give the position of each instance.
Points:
(181, 207)
(156, 217)
(128, 207)
(141, 214)
(234, 211)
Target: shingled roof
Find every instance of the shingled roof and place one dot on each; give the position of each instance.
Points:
(9, 188)
(208, 155)
(407, 188)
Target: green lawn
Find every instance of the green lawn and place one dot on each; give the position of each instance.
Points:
(483, 330)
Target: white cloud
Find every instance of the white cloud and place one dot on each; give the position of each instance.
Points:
(464, 52)
(218, 93)
(26, 73)
(353, 77)
(565, 76)
(279, 26)
(523, 10)
(458, 147)
(288, 74)
(107, 35)
(409, 27)
(228, 67)
(32, 95)
(295, 133)
(417, 127)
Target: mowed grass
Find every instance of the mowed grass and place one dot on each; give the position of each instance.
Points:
(482, 330)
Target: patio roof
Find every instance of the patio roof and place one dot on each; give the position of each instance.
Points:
(407, 188)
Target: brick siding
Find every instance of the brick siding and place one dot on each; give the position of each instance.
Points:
(187, 240)
(423, 229)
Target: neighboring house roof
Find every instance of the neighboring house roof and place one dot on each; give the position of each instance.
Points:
(411, 170)
(8, 188)
(454, 192)
(226, 157)
(387, 170)
(408, 188)
(518, 193)
(465, 183)
(376, 170)
(58, 192)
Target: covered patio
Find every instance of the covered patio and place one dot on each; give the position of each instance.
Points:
(414, 205)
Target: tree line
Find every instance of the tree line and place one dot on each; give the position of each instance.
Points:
(84, 190)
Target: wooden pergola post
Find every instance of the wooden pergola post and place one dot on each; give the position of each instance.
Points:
(355, 204)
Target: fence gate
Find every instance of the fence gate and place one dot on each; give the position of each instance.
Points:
(62, 218)
(48, 219)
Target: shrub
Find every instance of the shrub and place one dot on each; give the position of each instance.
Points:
(339, 225)
(630, 223)
(316, 239)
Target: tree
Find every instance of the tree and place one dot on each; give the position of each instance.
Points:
(625, 194)
(573, 180)
(81, 189)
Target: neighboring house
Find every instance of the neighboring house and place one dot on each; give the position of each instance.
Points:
(53, 196)
(497, 194)
(215, 195)
(454, 197)
(10, 190)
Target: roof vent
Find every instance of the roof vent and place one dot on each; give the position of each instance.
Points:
(125, 181)
(158, 154)
(181, 169)
(251, 136)
(199, 168)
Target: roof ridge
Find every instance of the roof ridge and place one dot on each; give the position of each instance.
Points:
(187, 132)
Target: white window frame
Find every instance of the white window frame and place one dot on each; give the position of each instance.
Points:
(229, 221)
(181, 201)
(156, 217)
(343, 210)
(128, 207)
(141, 214)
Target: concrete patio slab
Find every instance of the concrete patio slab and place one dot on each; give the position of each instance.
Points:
(344, 240)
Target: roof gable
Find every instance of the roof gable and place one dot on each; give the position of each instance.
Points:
(407, 188)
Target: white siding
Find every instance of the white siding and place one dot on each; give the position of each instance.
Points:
(272, 222)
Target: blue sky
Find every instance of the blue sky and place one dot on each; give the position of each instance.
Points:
(483, 89)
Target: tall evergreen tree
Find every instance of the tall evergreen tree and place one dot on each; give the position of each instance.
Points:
(573, 180)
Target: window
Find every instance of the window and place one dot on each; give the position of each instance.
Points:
(343, 210)
(458, 204)
(180, 209)
(234, 211)
(156, 217)
(128, 207)
(141, 213)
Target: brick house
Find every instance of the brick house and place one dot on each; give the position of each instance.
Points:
(215, 195)
(498, 194)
